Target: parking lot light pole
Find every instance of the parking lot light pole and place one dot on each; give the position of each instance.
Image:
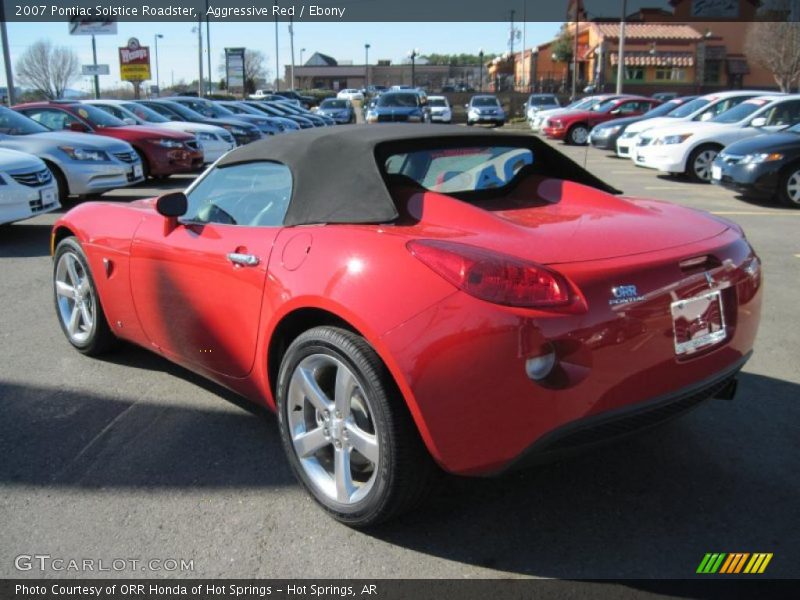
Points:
(158, 79)
(413, 54)
(7, 58)
(366, 65)
(480, 69)
(621, 49)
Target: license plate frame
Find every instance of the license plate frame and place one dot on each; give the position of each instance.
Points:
(48, 196)
(698, 323)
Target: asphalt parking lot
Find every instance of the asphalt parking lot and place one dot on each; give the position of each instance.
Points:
(132, 457)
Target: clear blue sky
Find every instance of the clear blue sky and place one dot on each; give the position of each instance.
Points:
(344, 41)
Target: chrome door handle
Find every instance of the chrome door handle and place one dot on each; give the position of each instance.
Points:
(246, 260)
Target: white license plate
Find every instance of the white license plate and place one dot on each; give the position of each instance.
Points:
(48, 196)
(716, 172)
(137, 171)
(698, 322)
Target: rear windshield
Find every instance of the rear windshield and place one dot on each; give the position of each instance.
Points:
(404, 100)
(437, 102)
(455, 170)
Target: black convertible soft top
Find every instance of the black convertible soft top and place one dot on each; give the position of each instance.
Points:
(337, 171)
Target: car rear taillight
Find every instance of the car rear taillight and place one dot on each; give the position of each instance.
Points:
(492, 276)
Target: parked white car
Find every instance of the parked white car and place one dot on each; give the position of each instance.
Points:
(700, 109)
(690, 147)
(27, 187)
(440, 109)
(351, 94)
(213, 141)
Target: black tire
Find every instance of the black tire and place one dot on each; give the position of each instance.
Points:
(100, 338)
(790, 179)
(470, 123)
(577, 135)
(145, 163)
(61, 182)
(701, 172)
(404, 472)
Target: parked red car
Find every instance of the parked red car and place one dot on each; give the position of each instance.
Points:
(473, 301)
(574, 126)
(163, 152)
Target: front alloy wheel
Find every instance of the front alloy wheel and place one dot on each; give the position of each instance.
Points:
(578, 135)
(700, 164)
(346, 431)
(790, 190)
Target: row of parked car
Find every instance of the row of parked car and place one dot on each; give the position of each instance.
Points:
(744, 140)
(52, 150)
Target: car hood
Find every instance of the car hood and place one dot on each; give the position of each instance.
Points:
(397, 110)
(652, 122)
(188, 127)
(11, 160)
(575, 114)
(143, 132)
(767, 142)
(696, 129)
(551, 111)
(574, 223)
(53, 139)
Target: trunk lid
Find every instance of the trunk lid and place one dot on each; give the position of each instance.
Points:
(564, 222)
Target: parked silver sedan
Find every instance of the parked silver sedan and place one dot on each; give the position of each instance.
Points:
(81, 163)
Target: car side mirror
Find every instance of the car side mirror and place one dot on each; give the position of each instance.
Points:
(758, 122)
(466, 106)
(78, 127)
(174, 204)
(129, 121)
(616, 111)
(706, 116)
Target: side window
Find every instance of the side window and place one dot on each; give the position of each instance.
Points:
(113, 110)
(627, 108)
(52, 119)
(786, 113)
(253, 194)
(160, 110)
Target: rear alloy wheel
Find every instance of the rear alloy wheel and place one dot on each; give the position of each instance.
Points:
(700, 161)
(790, 187)
(578, 135)
(77, 303)
(349, 438)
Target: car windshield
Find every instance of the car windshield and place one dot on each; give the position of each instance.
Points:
(663, 110)
(542, 101)
(333, 103)
(97, 117)
(484, 101)
(794, 128)
(437, 102)
(737, 113)
(456, 170)
(13, 123)
(145, 113)
(689, 108)
(606, 106)
(183, 111)
(401, 100)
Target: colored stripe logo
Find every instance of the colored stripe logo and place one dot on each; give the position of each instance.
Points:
(734, 563)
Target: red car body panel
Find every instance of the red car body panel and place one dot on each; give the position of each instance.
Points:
(160, 160)
(458, 361)
(559, 125)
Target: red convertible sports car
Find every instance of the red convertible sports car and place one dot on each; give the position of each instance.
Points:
(416, 300)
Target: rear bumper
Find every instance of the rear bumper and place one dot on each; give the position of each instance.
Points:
(461, 363)
(584, 434)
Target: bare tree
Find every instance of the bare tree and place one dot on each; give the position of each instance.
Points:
(255, 69)
(775, 46)
(48, 69)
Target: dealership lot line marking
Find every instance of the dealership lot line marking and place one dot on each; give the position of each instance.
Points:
(665, 187)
